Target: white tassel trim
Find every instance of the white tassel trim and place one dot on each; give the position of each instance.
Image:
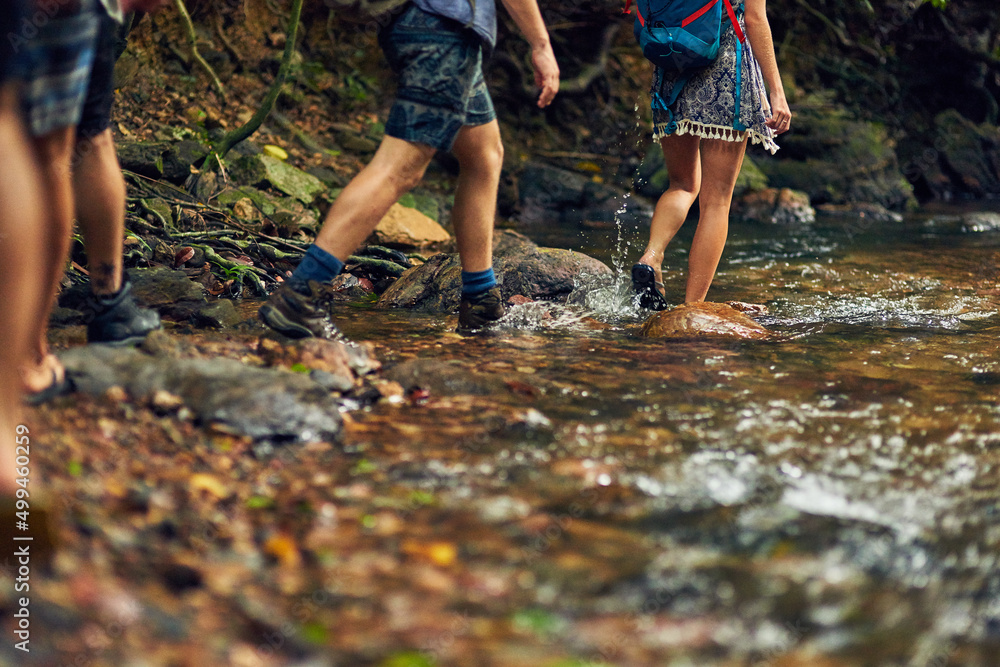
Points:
(721, 132)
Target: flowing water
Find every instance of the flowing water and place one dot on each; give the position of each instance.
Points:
(832, 497)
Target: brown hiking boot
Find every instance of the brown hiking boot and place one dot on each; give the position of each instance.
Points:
(301, 311)
(478, 311)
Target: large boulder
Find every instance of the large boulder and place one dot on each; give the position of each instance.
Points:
(837, 159)
(965, 159)
(522, 268)
(550, 194)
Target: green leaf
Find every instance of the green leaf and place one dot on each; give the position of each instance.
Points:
(74, 468)
(259, 502)
(408, 659)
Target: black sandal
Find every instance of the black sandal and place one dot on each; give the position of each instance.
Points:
(56, 389)
(645, 286)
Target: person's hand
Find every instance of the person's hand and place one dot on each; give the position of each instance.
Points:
(146, 6)
(781, 116)
(546, 74)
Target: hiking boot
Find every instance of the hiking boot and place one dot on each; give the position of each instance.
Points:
(479, 310)
(298, 310)
(117, 319)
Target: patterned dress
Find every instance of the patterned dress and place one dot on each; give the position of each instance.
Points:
(707, 105)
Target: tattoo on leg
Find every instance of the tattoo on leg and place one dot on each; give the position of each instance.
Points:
(103, 278)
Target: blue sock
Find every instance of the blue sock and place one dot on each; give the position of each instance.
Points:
(477, 282)
(318, 265)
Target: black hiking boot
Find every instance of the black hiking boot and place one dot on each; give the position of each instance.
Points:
(297, 310)
(117, 319)
(647, 289)
(479, 310)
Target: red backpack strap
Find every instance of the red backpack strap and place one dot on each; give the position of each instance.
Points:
(698, 14)
(628, 6)
(736, 24)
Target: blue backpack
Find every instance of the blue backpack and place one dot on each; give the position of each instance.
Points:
(682, 36)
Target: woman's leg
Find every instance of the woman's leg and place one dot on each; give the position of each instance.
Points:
(684, 169)
(720, 162)
(20, 272)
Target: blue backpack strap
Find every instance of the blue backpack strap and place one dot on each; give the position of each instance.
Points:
(658, 102)
(741, 38)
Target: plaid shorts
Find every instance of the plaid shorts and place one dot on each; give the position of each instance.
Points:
(441, 87)
(55, 61)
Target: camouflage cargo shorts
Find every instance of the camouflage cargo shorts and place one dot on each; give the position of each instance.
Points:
(441, 89)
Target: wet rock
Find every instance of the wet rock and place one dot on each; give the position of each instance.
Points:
(218, 315)
(860, 212)
(970, 223)
(774, 206)
(404, 227)
(522, 268)
(170, 292)
(705, 319)
(256, 402)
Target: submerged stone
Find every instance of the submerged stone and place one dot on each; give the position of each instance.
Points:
(704, 319)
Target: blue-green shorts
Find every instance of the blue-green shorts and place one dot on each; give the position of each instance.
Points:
(439, 63)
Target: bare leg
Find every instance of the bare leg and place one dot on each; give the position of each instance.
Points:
(721, 162)
(99, 191)
(20, 272)
(54, 153)
(396, 168)
(684, 169)
(480, 157)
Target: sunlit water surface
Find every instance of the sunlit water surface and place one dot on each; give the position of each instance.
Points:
(835, 492)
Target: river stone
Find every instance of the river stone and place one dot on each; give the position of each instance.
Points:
(404, 227)
(522, 268)
(703, 319)
(260, 403)
(775, 206)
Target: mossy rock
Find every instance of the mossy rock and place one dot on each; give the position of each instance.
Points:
(838, 159)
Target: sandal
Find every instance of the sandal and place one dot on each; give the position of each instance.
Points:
(647, 288)
(59, 386)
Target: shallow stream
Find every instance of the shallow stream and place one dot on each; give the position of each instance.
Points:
(830, 498)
